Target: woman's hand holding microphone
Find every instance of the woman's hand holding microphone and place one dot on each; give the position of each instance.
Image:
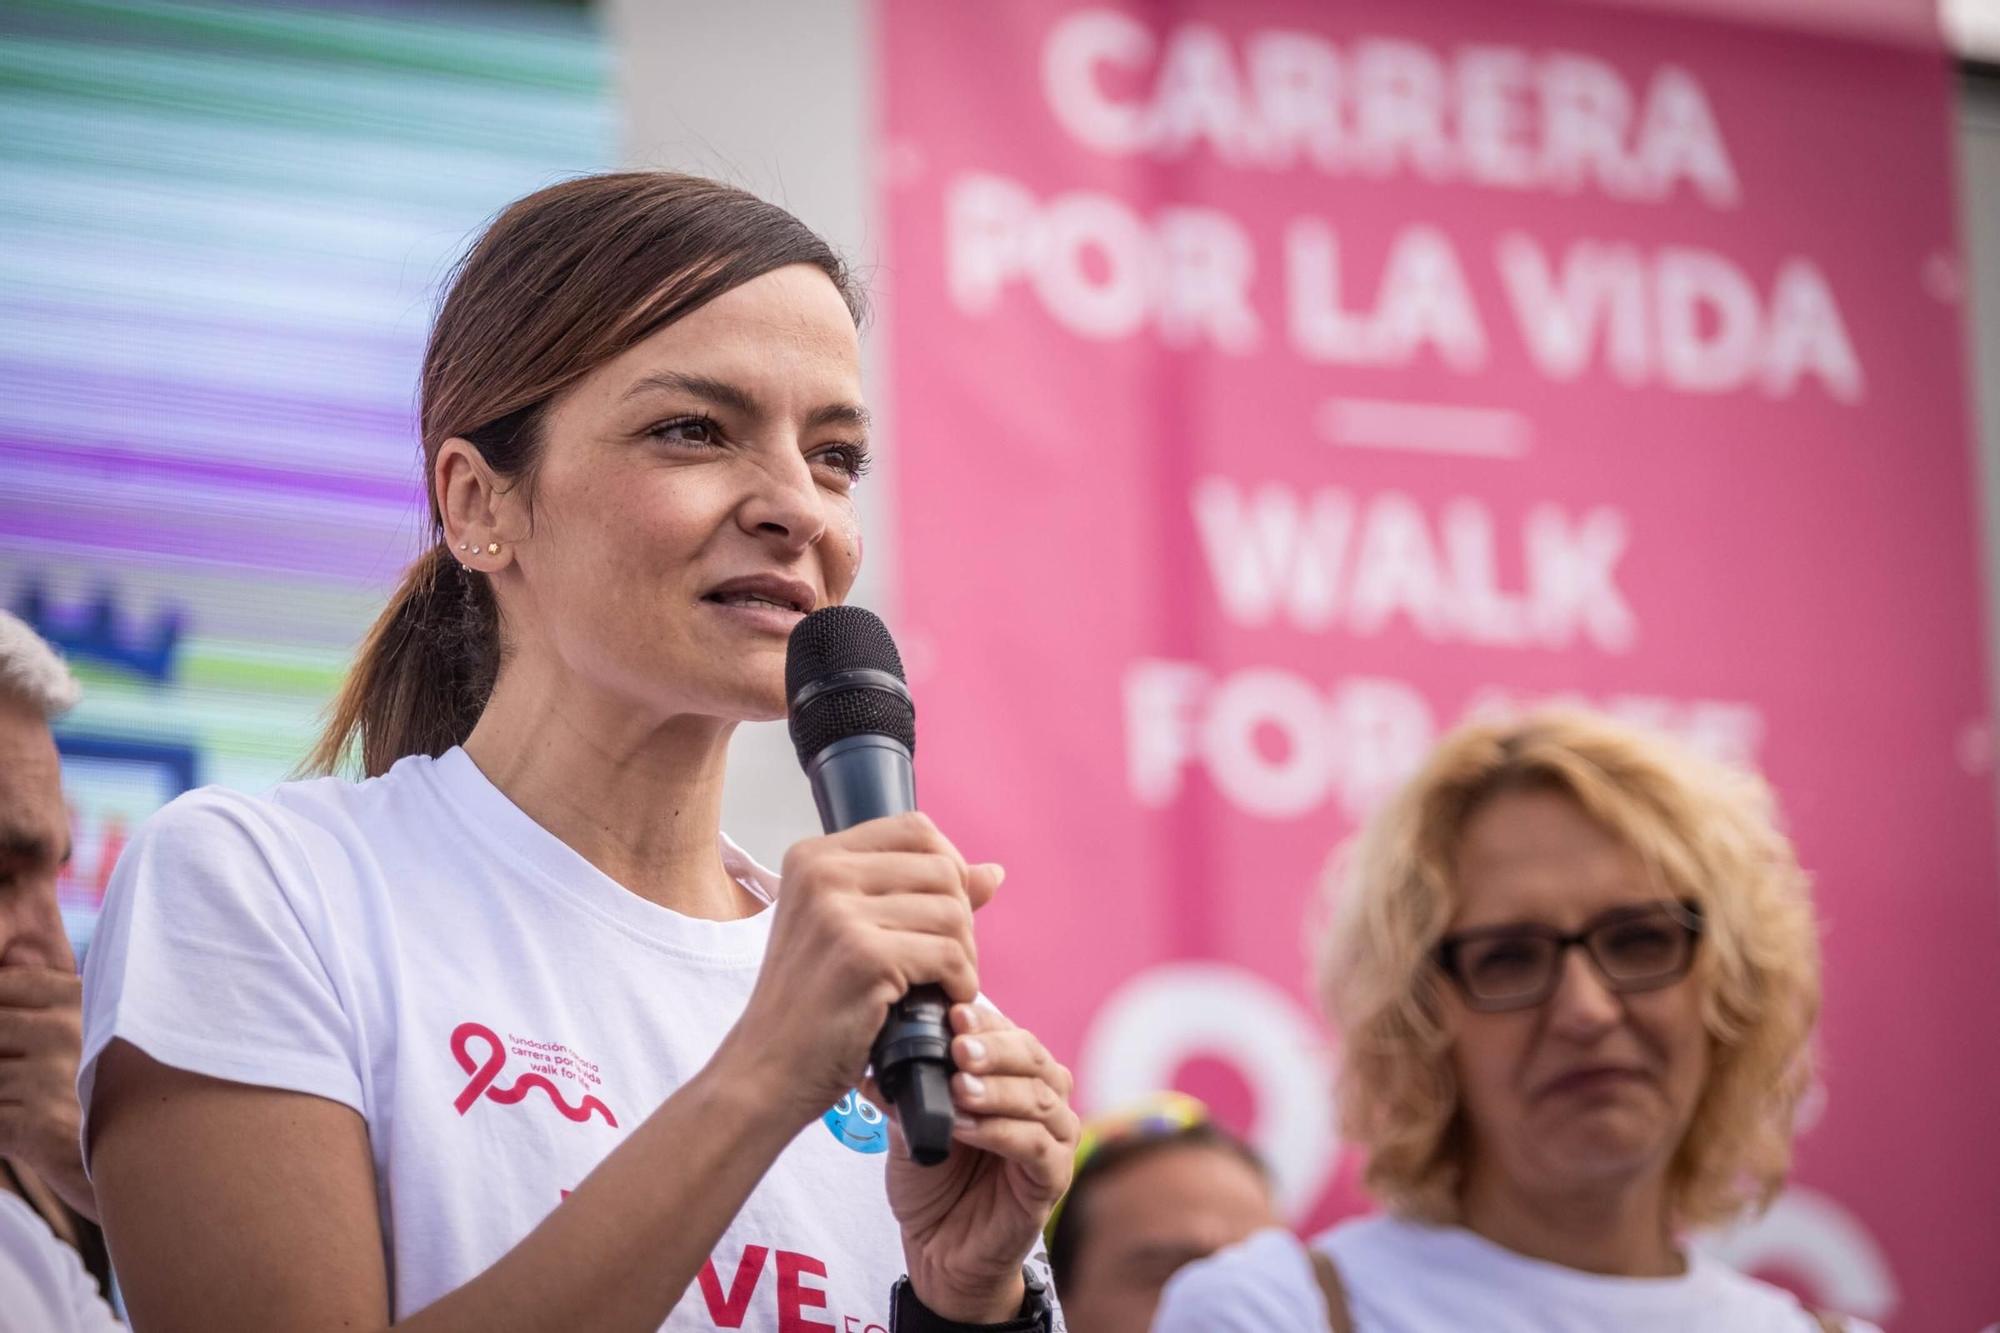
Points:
(862, 916)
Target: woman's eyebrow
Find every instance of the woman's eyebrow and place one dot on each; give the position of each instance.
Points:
(1509, 926)
(724, 394)
(719, 392)
(852, 415)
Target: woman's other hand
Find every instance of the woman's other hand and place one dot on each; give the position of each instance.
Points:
(970, 1221)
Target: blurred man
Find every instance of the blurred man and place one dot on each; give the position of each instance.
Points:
(1158, 1184)
(46, 1207)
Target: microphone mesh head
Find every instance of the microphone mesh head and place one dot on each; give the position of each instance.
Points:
(836, 639)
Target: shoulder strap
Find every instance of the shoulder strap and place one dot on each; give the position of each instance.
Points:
(1331, 1289)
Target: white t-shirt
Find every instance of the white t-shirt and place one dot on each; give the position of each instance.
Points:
(43, 1285)
(500, 1013)
(1403, 1277)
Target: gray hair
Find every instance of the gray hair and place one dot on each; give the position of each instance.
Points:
(31, 670)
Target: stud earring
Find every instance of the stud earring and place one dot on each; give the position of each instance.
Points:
(493, 548)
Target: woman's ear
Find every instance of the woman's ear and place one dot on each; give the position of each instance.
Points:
(469, 499)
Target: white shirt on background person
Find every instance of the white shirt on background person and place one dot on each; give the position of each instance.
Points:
(1406, 1277)
(44, 1287)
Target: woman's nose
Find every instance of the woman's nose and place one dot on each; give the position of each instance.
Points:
(784, 503)
(1583, 1003)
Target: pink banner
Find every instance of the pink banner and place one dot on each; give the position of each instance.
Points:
(1278, 383)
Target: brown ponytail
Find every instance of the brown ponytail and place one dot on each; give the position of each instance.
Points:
(423, 673)
(561, 282)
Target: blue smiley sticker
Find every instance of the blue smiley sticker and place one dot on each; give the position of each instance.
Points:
(858, 1124)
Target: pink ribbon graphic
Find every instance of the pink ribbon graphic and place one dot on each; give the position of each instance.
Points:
(484, 1072)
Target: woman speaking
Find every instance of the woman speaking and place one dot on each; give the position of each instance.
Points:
(508, 1035)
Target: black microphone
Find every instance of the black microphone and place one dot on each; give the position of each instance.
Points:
(855, 729)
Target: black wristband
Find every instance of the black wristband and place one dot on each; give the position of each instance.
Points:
(907, 1314)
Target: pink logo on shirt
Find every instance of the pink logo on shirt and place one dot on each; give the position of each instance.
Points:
(483, 1073)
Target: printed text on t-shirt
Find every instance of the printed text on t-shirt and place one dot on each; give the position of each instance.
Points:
(546, 1060)
(727, 1308)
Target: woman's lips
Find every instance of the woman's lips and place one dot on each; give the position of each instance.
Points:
(757, 616)
(1592, 1080)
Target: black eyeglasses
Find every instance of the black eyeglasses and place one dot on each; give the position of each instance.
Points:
(1518, 967)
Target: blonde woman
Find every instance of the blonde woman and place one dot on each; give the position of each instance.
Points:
(1575, 971)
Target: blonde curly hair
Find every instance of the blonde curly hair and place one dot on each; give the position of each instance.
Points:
(1706, 832)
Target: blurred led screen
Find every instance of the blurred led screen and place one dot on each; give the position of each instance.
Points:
(222, 231)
